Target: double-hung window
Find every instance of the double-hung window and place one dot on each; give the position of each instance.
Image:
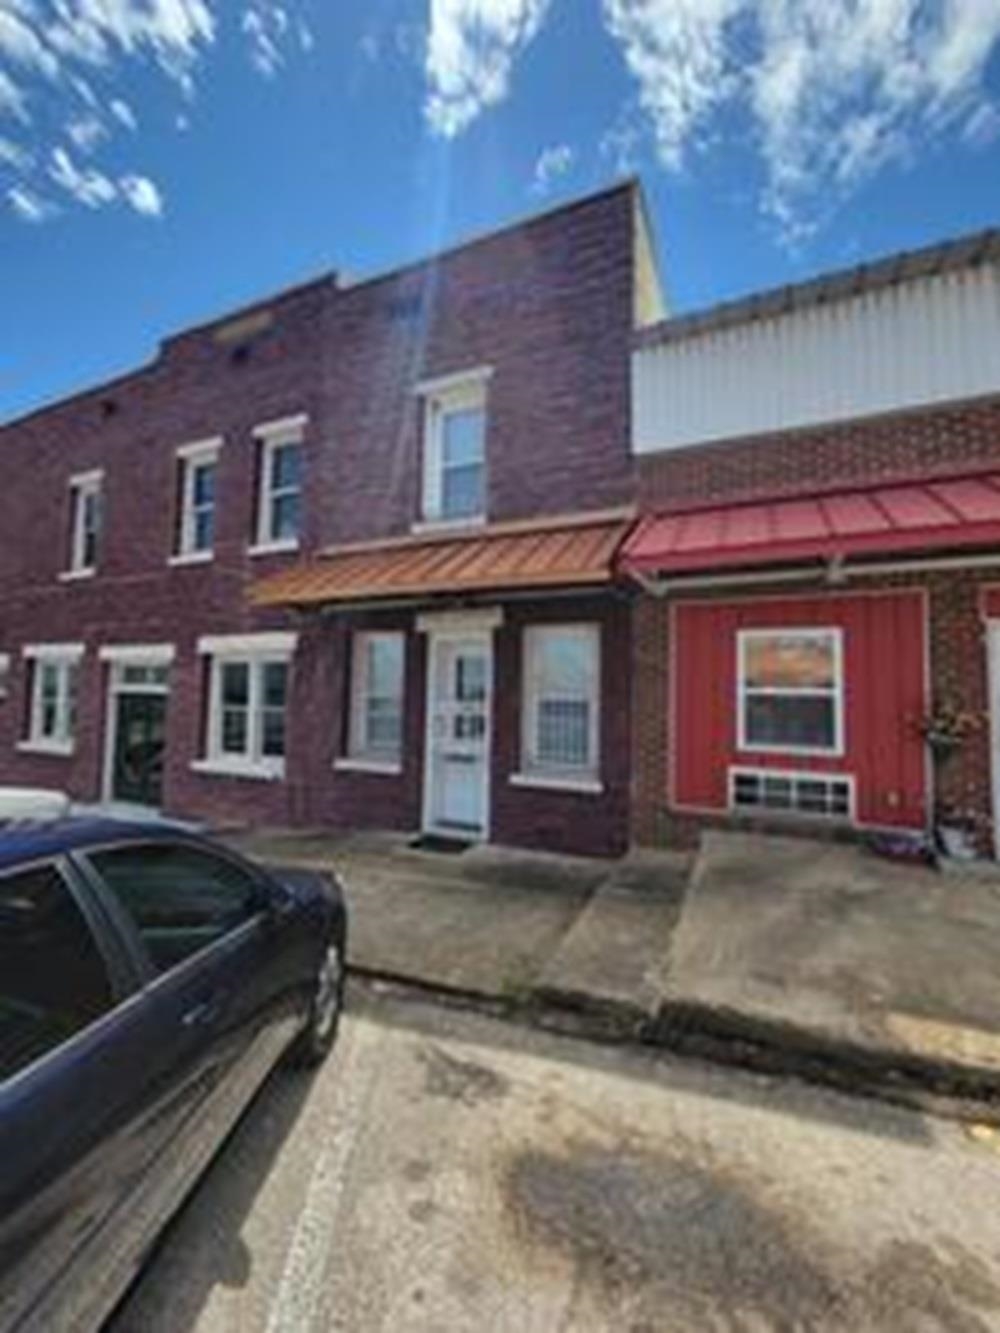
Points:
(279, 484)
(198, 464)
(791, 691)
(454, 449)
(85, 523)
(561, 714)
(376, 725)
(248, 693)
(52, 708)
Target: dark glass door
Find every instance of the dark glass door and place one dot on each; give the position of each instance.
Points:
(139, 745)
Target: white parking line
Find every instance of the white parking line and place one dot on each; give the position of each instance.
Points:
(300, 1287)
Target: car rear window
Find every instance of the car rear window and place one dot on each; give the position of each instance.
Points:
(180, 899)
(53, 981)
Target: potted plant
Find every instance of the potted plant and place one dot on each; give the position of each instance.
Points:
(946, 727)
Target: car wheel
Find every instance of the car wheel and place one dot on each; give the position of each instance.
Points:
(314, 1042)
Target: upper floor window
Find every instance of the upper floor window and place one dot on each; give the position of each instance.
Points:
(376, 733)
(279, 484)
(52, 712)
(562, 701)
(454, 448)
(85, 523)
(790, 684)
(197, 484)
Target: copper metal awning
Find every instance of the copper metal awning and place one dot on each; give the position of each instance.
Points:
(575, 551)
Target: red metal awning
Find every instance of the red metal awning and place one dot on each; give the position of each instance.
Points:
(958, 512)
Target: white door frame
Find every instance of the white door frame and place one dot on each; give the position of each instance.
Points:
(116, 656)
(438, 634)
(993, 708)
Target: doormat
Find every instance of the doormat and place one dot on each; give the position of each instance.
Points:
(436, 842)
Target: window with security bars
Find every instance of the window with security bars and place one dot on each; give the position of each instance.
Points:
(562, 678)
(798, 793)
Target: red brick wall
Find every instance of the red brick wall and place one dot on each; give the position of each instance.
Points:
(900, 445)
(548, 305)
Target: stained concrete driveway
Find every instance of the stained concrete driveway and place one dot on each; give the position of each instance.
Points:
(840, 947)
(448, 1172)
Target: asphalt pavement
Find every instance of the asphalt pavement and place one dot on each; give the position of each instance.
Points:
(449, 1171)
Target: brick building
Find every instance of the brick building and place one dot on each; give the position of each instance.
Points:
(346, 557)
(819, 483)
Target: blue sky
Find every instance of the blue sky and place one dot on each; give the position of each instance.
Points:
(164, 160)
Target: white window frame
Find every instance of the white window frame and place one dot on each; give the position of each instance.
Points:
(5, 666)
(255, 651)
(272, 436)
(794, 776)
(82, 486)
(361, 754)
(743, 638)
(66, 659)
(190, 458)
(462, 392)
(535, 772)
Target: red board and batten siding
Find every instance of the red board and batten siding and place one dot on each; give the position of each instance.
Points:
(885, 691)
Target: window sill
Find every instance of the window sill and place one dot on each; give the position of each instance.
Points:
(74, 575)
(229, 768)
(446, 525)
(286, 547)
(583, 786)
(191, 558)
(386, 767)
(61, 749)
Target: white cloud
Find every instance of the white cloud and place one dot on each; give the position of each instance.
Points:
(28, 206)
(266, 26)
(552, 163)
(142, 194)
(833, 90)
(86, 132)
(471, 48)
(86, 185)
(61, 63)
(123, 113)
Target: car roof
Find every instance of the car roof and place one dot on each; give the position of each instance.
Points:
(24, 840)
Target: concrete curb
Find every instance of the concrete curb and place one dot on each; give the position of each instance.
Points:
(732, 1040)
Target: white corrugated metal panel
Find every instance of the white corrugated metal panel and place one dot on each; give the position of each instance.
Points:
(919, 342)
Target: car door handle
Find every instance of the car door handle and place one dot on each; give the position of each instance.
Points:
(200, 1014)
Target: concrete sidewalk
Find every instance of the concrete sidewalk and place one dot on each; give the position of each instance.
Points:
(829, 951)
(800, 957)
(497, 923)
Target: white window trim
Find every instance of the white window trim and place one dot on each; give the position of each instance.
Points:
(450, 393)
(5, 667)
(275, 643)
(582, 779)
(272, 436)
(138, 654)
(359, 753)
(190, 457)
(792, 775)
(358, 764)
(81, 485)
(63, 656)
(743, 743)
(257, 650)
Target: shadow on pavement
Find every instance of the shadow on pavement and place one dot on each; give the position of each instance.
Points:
(218, 1206)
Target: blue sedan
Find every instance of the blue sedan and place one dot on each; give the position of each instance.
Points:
(149, 981)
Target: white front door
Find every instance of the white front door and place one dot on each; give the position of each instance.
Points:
(460, 685)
